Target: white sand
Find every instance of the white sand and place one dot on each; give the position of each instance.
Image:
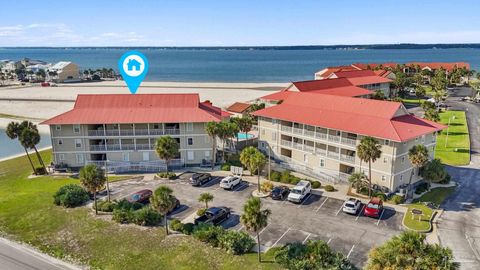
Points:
(221, 94)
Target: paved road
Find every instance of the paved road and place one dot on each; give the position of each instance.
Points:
(17, 257)
(459, 225)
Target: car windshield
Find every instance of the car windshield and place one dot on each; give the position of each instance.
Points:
(135, 197)
(371, 205)
(349, 204)
(296, 191)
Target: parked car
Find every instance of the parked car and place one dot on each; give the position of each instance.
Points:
(466, 99)
(351, 206)
(199, 179)
(44, 84)
(230, 182)
(213, 216)
(280, 193)
(177, 204)
(374, 208)
(141, 196)
(300, 191)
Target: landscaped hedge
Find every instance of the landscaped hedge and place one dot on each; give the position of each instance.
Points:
(70, 195)
(144, 217)
(329, 188)
(396, 199)
(167, 175)
(287, 177)
(236, 242)
(422, 188)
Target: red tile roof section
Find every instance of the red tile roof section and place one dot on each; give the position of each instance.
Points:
(356, 115)
(238, 107)
(139, 108)
(321, 84)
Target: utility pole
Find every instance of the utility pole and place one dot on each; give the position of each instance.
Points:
(269, 162)
(106, 177)
(448, 127)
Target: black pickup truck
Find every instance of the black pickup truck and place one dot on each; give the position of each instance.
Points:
(198, 179)
(214, 216)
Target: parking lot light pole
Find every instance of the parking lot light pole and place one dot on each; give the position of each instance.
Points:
(269, 168)
(106, 177)
(448, 127)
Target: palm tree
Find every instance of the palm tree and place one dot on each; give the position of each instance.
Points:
(357, 179)
(418, 156)
(246, 155)
(167, 149)
(206, 198)
(163, 202)
(245, 124)
(92, 179)
(254, 160)
(254, 218)
(369, 150)
(30, 137)
(212, 130)
(13, 132)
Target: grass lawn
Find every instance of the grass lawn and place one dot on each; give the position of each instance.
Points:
(436, 195)
(415, 101)
(27, 214)
(416, 222)
(116, 178)
(457, 149)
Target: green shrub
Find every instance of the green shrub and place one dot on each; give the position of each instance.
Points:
(329, 188)
(236, 242)
(225, 167)
(123, 204)
(422, 188)
(40, 171)
(201, 211)
(70, 195)
(293, 180)
(380, 195)
(275, 176)
(123, 216)
(176, 225)
(316, 184)
(396, 199)
(188, 228)
(446, 180)
(266, 187)
(146, 217)
(105, 206)
(167, 175)
(363, 191)
(285, 176)
(208, 234)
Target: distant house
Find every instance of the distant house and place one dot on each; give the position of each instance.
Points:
(11, 66)
(239, 108)
(367, 79)
(133, 65)
(65, 72)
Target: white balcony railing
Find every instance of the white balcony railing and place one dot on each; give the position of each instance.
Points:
(128, 146)
(98, 148)
(298, 146)
(143, 147)
(140, 132)
(332, 154)
(298, 130)
(286, 143)
(96, 133)
(131, 132)
(321, 152)
(127, 132)
(309, 133)
(286, 128)
(321, 136)
(343, 176)
(113, 147)
(347, 158)
(333, 138)
(309, 148)
(349, 141)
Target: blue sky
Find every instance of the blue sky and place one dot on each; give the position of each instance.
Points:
(236, 23)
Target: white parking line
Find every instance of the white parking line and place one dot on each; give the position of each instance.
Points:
(276, 242)
(304, 200)
(350, 252)
(263, 229)
(380, 218)
(321, 205)
(329, 240)
(239, 186)
(239, 229)
(306, 238)
(341, 207)
(216, 189)
(359, 213)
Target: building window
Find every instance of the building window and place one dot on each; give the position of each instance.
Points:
(78, 143)
(189, 126)
(403, 160)
(190, 155)
(385, 160)
(262, 144)
(58, 127)
(190, 141)
(207, 139)
(263, 131)
(146, 156)
(79, 158)
(207, 154)
(384, 178)
(387, 142)
(322, 163)
(338, 133)
(59, 141)
(61, 157)
(423, 138)
(305, 158)
(126, 157)
(416, 139)
(76, 128)
(156, 126)
(401, 178)
(274, 136)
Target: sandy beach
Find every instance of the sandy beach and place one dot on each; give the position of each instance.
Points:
(45, 102)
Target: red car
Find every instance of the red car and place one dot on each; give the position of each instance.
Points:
(142, 196)
(374, 208)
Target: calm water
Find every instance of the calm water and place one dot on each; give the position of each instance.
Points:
(12, 147)
(241, 65)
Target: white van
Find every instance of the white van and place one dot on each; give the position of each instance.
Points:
(300, 191)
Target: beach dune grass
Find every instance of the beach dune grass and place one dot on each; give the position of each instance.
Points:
(455, 151)
(27, 214)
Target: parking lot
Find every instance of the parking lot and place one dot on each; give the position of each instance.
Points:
(316, 218)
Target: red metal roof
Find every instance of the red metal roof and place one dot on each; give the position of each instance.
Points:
(358, 81)
(238, 107)
(380, 119)
(347, 91)
(139, 108)
(321, 84)
(449, 66)
(329, 70)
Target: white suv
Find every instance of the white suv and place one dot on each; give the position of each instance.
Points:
(230, 182)
(351, 206)
(300, 191)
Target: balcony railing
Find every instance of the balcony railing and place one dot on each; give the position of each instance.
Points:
(128, 147)
(286, 128)
(144, 147)
(298, 146)
(298, 130)
(113, 147)
(333, 154)
(321, 136)
(347, 158)
(307, 147)
(343, 176)
(131, 132)
(349, 141)
(321, 152)
(286, 143)
(333, 138)
(98, 148)
(309, 133)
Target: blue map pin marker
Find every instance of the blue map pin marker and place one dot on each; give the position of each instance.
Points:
(133, 66)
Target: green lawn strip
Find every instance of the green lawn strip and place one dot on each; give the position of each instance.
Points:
(455, 151)
(27, 214)
(436, 195)
(116, 178)
(412, 101)
(417, 222)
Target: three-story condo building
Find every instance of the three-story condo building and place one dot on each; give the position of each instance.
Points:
(121, 130)
(318, 135)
